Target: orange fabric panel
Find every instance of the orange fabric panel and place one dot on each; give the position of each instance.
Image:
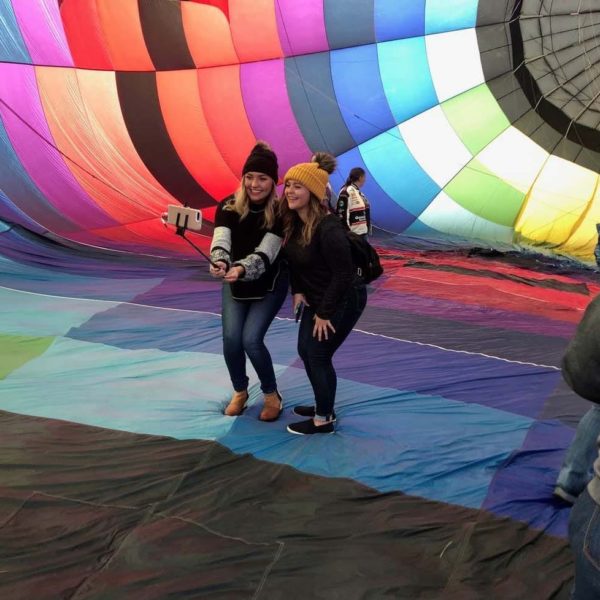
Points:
(188, 129)
(221, 97)
(123, 35)
(208, 35)
(160, 240)
(84, 33)
(254, 28)
(83, 113)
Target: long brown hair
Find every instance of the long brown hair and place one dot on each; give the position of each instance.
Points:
(292, 222)
(240, 203)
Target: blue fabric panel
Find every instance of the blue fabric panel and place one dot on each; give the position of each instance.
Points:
(450, 15)
(398, 173)
(397, 19)
(536, 463)
(360, 93)
(392, 441)
(22, 191)
(181, 395)
(406, 77)
(43, 281)
(313, 100)
(384, 211)
(349, 22)
(133, 327)
(12, 214)
(12, 46)
(40, 315)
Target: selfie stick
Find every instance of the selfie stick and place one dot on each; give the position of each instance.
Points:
(180, 230)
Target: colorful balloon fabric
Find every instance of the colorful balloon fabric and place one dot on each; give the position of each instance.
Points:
(120, 476)
(466, 125)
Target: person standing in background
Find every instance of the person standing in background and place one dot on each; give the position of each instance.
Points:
(352, 205)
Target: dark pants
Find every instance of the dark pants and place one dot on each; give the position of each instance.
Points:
(317, 356)
(584, 535)
(245, 324)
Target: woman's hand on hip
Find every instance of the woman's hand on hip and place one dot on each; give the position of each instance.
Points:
(219, 270)
(321, 328)
(234, 274)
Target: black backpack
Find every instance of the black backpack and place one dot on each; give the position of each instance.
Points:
(365, 257)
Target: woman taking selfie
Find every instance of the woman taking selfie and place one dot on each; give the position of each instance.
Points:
(245, 249)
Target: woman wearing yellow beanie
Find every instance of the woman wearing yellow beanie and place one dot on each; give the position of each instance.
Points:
(324, 282)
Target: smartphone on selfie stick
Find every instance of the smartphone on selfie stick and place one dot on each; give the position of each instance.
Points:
(184, 218)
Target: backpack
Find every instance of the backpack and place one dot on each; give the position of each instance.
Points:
(365, 257)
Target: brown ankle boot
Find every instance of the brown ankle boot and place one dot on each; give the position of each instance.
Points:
(237, 404)
(272, 408)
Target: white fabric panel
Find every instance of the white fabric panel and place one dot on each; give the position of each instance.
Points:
(454, 62)
(446, 216)
(515, 158)
(435, 145)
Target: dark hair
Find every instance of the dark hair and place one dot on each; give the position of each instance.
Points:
(326, 161)
(355, 174)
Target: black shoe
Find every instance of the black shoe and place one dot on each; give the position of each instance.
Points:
(309, 411)
(309, 427)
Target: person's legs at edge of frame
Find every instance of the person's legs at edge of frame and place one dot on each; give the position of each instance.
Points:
(260, 316)
(317, 357)
(576, 470)
(234, 314)
(584, 536)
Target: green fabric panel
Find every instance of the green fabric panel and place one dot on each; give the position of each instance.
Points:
(476, 117)
(484, 194)
(16, 350)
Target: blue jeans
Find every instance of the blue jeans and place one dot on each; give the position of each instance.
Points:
(245, 324)
(317, 356)
(584, 535)
(576, 470)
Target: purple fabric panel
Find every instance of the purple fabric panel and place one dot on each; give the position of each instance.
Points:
(43, 32)
(29, 135)
(270, 114)
(511, 387)
(301, 26)
(491, 317)
(522, 489)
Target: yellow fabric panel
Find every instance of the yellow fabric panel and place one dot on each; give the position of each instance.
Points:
(582, 242)
(556, 202)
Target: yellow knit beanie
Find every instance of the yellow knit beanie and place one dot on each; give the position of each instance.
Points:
(311, 176)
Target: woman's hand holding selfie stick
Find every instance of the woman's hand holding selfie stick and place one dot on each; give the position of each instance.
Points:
(184, 218)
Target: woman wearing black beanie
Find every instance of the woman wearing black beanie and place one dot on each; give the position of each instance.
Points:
(245, 247)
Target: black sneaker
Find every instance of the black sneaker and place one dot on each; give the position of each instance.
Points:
(309, 427)
(309, 411)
